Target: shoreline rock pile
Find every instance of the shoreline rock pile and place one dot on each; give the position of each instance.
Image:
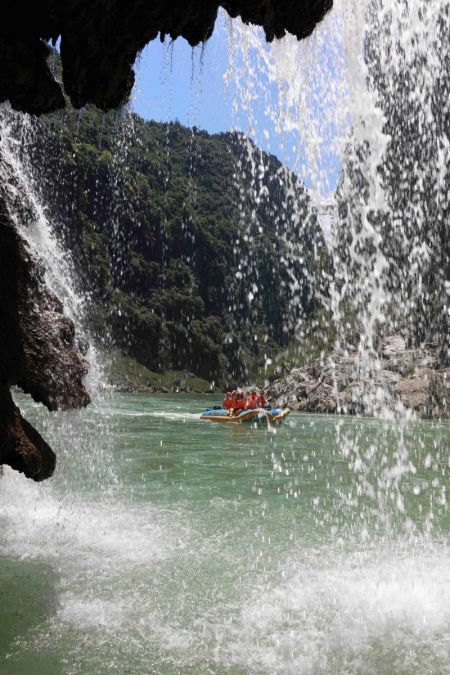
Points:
(340, 383)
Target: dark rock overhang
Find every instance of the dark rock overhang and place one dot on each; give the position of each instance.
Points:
(100, 40)
(39, 348)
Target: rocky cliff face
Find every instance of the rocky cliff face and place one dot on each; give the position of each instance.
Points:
(100, 40)
(39, 350)
(336, 384)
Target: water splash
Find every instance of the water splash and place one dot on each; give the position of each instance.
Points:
(17, 133)
(356, 603)
(338, 99)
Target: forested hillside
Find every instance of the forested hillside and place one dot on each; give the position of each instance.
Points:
(195, 251)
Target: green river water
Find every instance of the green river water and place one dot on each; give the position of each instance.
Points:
(164, 544)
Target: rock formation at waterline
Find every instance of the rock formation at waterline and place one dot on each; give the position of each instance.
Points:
(100, 40)
(39, 350)
(338, 384)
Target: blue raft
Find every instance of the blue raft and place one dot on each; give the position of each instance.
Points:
(257, 416)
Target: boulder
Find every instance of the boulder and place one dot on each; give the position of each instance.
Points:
(340, 383)
(21, 446)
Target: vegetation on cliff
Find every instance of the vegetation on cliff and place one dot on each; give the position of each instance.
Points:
(196, 252)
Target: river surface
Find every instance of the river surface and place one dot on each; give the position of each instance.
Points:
(164, 544)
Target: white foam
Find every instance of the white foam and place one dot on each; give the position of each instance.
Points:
(341, 607)
(39, 524)
(160, 414)
(353, 612)
(90, 612)
(170, 415)
(316, 611)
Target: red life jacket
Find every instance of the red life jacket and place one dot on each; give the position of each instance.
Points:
(262, 400)
(240, 404)
(252, 402)
(227, 403)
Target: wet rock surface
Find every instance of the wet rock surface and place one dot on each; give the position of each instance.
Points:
(100, 40)
(21, 446)
(340, 384)
(38, 347)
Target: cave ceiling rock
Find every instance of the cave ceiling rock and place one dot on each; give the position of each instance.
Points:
(100, 40)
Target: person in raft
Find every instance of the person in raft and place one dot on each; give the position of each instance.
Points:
(262, 400)
(228, 399)
(253, 399)
(238, 403)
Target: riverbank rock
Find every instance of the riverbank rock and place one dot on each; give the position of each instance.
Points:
(341, 383)
(39, 350)
(100, 40)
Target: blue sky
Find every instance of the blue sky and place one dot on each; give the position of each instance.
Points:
(174, 81)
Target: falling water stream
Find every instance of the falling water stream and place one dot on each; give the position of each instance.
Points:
(166, 545)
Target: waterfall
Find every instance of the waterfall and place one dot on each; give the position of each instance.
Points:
(16, 130)
(17, 133)
(163, 544)
(368, 92)
(348, 96)
(361, 135)
(79, 447)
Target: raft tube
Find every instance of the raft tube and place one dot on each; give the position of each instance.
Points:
(260, 415)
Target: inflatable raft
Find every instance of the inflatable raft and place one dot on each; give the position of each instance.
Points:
(258, 416)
